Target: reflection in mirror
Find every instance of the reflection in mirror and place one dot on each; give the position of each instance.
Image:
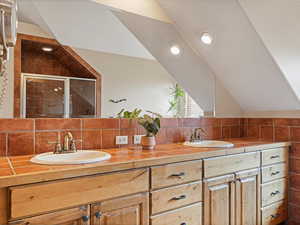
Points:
(63, 71)
(57, 97)
(43, 97)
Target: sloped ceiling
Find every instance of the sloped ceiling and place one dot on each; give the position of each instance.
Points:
(95, 27)
(82, 24)
(250, 67)
(277, 23)
(188, 69)
(238, 56)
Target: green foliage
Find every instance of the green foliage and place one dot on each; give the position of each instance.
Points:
(129, 115)
(177, 95)
(151, 123)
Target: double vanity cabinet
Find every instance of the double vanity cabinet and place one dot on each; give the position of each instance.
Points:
(247, 188)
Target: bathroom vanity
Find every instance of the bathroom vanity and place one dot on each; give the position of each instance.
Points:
(172, 185)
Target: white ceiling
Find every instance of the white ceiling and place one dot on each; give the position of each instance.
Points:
(238, 56)
(277, 23)
(82, 24)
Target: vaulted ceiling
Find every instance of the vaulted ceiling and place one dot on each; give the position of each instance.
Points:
(82, 24)
(252, 63)
(238, 55)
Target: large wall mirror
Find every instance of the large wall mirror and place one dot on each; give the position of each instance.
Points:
(66, 70)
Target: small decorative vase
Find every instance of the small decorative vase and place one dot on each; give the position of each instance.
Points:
(148, 143)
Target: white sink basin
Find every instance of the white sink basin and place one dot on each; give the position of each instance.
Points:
(79, 157)
(209, 144)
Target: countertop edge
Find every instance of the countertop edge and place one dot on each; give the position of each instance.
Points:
(51, 175)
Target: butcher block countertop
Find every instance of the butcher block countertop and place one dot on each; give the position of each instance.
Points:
(17, 170)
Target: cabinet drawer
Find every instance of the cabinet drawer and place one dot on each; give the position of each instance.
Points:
(274, 214)
(274, 156)
(231, 163)
(43, 197)
(177, 173)
(190, 215)
(79, 215)
(274, 172)
(274, 191)
(175, 197)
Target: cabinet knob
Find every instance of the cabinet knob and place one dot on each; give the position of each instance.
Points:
(179, 198)
(98, 215)
(85, 218)
(178, 175)
(274, 156)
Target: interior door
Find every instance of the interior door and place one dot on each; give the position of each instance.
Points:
(248, 197)
(131, 210)
(219, 194)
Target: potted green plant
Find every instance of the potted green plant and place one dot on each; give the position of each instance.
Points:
(177, 99)
(151, 123)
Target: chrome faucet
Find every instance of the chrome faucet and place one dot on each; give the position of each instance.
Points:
(197, 134)
(67, 141)
(69, 145)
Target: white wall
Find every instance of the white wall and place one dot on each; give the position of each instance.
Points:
(6, 110)
(225, 104)
(144, 83)
(31, 29)
(189, 68)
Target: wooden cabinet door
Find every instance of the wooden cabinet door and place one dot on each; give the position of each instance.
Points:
(132, 210)
(219, 194)
(248, 197)
(74, 216)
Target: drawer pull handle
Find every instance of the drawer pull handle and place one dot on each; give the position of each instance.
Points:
(178, 175)
(179, 198)
(98, 215)
(275, 173)
(274, 156)
(275, 216)
(85, 218)
(275, 193)
(183, 224)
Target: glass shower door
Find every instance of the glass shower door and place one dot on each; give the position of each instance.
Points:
(45, 98)
(82, 98)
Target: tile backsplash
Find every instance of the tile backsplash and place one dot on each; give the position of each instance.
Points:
(31, 136)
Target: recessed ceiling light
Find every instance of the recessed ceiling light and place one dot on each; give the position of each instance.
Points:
(206, 38)
(175, 50)
(47, 49)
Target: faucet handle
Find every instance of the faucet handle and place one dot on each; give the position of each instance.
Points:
(58, 147)
(73, 144)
